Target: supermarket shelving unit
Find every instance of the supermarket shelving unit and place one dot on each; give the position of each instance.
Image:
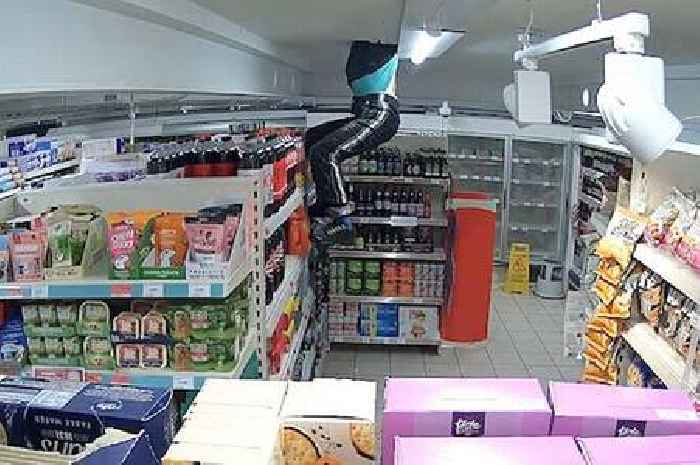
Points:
(669, 365)
(437, 188)
(181, 195)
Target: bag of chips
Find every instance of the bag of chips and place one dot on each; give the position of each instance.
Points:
(605, 291)
(610, 270)
(623, 232)
(662, 219)
(608, 326)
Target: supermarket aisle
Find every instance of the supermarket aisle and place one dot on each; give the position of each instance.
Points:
(525, 340)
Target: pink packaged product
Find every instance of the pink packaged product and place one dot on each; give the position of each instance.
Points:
(27, 255)
(592, 410)
(491, 451)
(206, 243)
(642, 451)
(444, 407)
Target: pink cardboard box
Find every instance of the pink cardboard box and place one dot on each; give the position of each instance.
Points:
(462, 407)
(488, 451)
(590, 410)
(642, 451)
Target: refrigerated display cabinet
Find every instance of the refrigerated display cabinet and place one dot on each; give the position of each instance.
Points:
(528, 178)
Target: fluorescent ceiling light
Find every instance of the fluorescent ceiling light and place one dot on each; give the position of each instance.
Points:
(419, 45)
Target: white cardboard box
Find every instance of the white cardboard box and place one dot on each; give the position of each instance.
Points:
(331, 419)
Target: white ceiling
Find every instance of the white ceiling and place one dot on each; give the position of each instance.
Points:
(322, 28)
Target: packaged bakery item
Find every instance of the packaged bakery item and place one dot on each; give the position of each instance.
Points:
(154, 356)
(170, 240)
(128, 355)
(181, 357)
(97, 353)
(30, 315)
(72, 346)
(27, 252)
(610, 270)
(66, 314)
(661, 220)
(153, 324)
(93, 319)
(180, 324)
(199, 354)
(47, 314)
(127, 325)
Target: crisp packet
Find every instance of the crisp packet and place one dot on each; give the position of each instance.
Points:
(610, 270)
(607, 326)
(662, 219)
(605, 291)
(623, 232)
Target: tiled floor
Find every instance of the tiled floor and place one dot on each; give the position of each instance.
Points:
(525, 340)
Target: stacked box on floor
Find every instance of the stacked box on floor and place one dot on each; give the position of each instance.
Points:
(462, 407)
(329, 421)
(492, 451)
(641, 451)
(64, 417)
(589, 410)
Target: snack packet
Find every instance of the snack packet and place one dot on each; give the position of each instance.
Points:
(623, 232)
(593, 374)
(610, 270)
(689, 247)
(608, 326)
(661, 220)
(605, 291)
(600, 360)
(687, 212)
(598, 341)
(124, 231)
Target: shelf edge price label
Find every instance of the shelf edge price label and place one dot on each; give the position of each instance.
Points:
(120, 290)
(200, 290)
(40, 291)
(183, 383)
(153, 290)
(402, 221)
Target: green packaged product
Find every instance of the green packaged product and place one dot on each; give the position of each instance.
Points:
(98, 353)
(67, 314)
(54, 346)
(353, 286)
(36, 346)
(71, 346)
(47, 315)
(355, 267)
(373, 269)
(30, 315)
(372, 286)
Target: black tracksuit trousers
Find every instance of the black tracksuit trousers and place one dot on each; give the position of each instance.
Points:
(375, 122)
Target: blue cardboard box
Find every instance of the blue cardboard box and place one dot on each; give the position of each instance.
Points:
(64, 416)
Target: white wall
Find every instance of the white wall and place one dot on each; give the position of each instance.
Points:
(60, 45)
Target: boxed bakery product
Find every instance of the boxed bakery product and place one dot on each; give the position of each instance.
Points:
(64, 416)
(447, 407)
(329, 421)
(491, 451)
(235, 393)
(590, 410)
(115, 448)
(223, 439)
(641, 451)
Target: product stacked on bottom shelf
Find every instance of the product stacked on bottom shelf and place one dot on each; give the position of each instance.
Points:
(387, 286)
(644, 329)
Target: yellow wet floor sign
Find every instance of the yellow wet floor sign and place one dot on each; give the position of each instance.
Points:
(518, 275)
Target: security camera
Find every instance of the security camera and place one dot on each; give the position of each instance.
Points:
(632, 105)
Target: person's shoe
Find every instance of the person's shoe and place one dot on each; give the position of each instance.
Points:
(338, 231)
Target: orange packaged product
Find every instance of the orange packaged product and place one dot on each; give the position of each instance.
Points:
(608, 326)
(124, 230)
(170, 240)
(610, 270)
(605, 291)
(406, 289)
(390, 271)
(406, 272)
(593, 357)
(601, 342)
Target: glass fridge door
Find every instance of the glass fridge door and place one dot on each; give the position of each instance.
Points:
(536, 198)
(477, 164)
